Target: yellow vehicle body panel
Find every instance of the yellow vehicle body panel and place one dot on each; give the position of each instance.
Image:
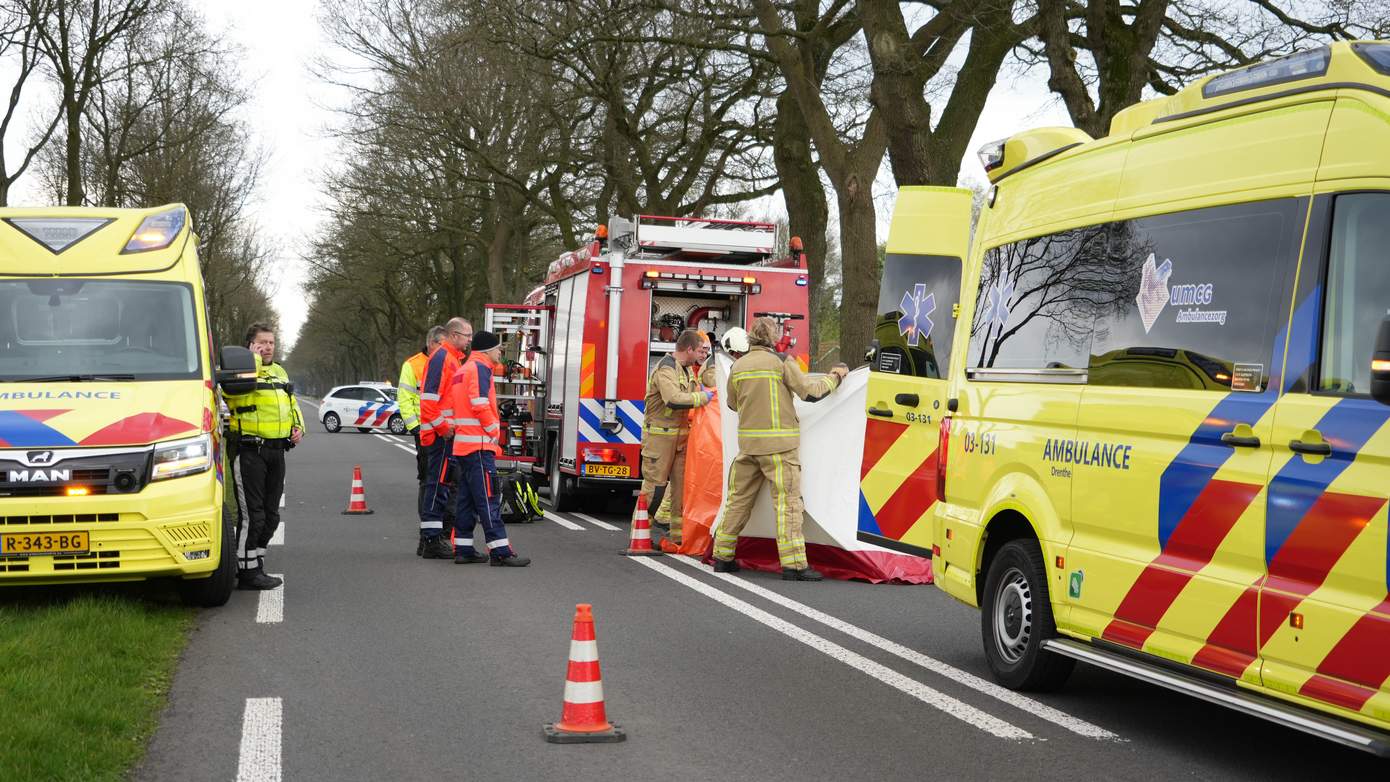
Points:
(76, 453)
(1196, 455)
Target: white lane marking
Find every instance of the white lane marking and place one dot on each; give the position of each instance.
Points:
(951, 706)
(566, 523)
(278, 539)
(282, 499)
(1018, 700)
(260, 741)
(271, 608)
(596, 522)
(392, 441)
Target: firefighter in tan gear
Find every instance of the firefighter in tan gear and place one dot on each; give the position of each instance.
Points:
(761, 385)
(673, 391)
(662, 517)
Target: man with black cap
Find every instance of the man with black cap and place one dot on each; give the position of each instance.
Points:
(476, 427)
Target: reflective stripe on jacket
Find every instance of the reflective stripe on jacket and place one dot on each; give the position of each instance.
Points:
(672, 391)
(761, 385)
(474, 399)
(408, 389)
(436, 413)
(270, 411)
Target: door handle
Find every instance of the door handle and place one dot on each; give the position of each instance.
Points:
(1311, 449)
(880, 412)
(907, 400)
(1240, 441)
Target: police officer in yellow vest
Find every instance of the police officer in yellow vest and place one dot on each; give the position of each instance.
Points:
(265, 423)
(761, 385)
(673, 391)
(408, 397)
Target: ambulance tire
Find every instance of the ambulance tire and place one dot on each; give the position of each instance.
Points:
(216, 589)
(332, 423)
(396, 425)
(1016, 617)
(562, 491)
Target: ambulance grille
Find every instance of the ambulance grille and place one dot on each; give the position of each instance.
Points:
(72, 518)
(96, 560)
(7, 565)
(184, 534)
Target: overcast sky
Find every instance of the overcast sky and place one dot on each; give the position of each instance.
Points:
(290, 111)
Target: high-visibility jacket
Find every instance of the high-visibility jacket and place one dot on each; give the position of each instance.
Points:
(474, 400)
(408, 389)
(761, 384)
(270, 411)
(436, 414)
(672, 391)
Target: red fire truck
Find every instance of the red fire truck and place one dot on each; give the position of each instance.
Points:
(581, 346)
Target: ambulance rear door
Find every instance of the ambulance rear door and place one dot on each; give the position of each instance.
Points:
(918, 303)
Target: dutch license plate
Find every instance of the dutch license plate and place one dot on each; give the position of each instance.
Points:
(608, 470)
(20, 544)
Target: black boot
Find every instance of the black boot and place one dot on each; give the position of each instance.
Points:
(512, 561)
(420, 547)
(438, 547)
(725, 566)
(256, 579)
(805, 574)
(469, 559)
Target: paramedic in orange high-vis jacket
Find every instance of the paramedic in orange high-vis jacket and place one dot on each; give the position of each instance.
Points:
(476, 428)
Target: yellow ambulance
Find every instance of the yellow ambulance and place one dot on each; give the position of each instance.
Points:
(1152, 433)
(110, 450)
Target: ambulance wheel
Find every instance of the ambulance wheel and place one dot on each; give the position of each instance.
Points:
(216, 589)
(1016, 617)
(332, 423)
(561, 487)
(397, 425)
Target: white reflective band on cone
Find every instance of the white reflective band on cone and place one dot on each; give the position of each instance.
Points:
(641, 534)
(492, 544)
(583, 692)
(356, 484)
(583, 651)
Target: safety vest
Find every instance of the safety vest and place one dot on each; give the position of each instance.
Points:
(436, 412)
(408, 389)
(270, 411)
(474, 400)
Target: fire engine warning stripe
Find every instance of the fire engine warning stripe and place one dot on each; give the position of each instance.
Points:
(911, 687)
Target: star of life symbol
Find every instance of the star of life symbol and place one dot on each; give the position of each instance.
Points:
(917, 306)
(1153, 290)
(997, 300)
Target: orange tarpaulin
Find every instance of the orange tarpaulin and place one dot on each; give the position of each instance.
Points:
(704, 481)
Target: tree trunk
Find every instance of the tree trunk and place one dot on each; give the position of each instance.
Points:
(805, 197)
(75, 195)
(859, 259)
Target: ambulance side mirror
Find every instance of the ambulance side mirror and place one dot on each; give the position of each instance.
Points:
(1380, 365)
(236, 370)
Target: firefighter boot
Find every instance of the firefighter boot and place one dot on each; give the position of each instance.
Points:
(512, 561)
(438, 547)
(469, 559)
(804, 574)
(727, 566)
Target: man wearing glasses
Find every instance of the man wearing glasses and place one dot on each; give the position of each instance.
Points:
(436, 436)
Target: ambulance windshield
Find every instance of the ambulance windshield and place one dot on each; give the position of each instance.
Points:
(67, 329)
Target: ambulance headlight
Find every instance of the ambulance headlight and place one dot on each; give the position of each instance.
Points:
(157, 231)
(182, 457)
(992, 155)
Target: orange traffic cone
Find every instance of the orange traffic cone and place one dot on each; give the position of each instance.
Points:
(583, 719)
(357, 500)
(640, 544)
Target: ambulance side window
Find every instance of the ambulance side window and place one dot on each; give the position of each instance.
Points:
(1358, 291)
(915, 328)
(1036, 298)
(1194, 299)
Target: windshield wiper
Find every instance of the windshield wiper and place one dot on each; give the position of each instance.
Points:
(74, 379)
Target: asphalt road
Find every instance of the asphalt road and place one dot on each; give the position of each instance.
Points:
(371, 664)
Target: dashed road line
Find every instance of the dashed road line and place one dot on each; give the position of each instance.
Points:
(392, 441)
(932, 697)
(566, 523)
(597, 523)
(270, 609)
(282, 499)
(278, 539)
(1018, 700)
(260, 741)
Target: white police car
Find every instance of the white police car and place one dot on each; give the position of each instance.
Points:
(366, 406)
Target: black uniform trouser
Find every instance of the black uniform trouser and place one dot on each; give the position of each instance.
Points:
(259, 475)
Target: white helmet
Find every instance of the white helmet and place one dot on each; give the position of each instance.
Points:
(735, 340)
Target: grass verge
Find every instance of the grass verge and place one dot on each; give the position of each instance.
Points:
(83, 676)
